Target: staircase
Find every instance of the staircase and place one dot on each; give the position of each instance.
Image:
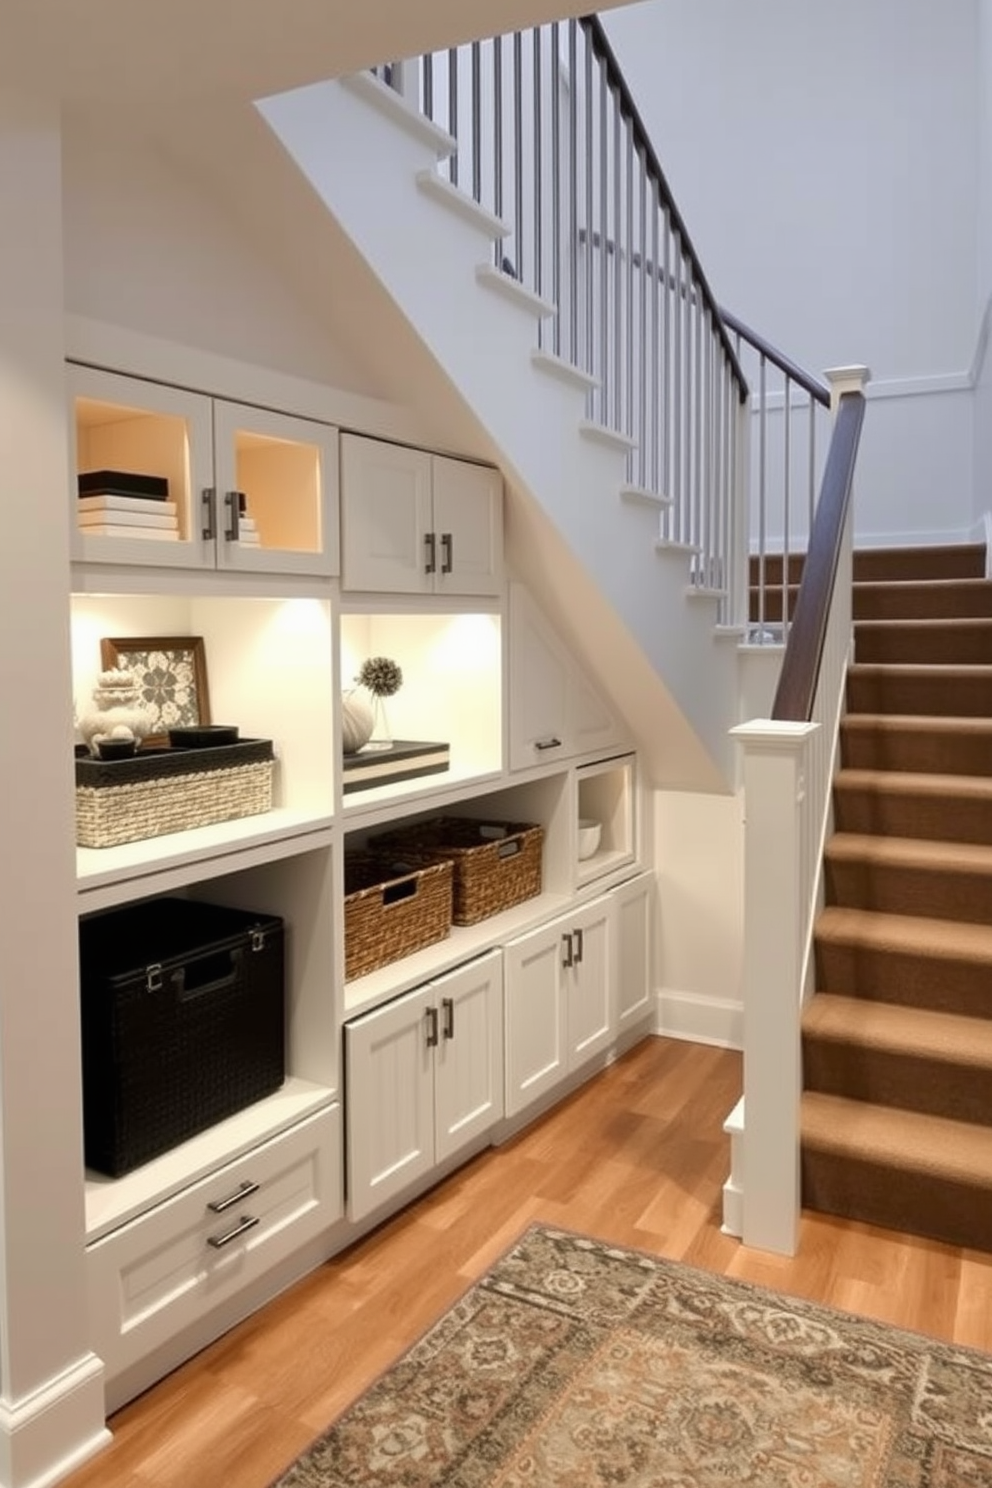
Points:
(897, 1040)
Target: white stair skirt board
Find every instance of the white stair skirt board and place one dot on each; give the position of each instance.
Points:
(465, 206)
(601, 434)
(666, 545)
(641, 496)
(556, 366)
(518, 294)
(366, 85)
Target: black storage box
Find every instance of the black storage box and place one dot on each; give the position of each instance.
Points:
(182, 1008)
(123, 483)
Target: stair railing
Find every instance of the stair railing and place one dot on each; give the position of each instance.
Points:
(547, 138)
(789, 763)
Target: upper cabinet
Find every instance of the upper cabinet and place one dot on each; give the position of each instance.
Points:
(415, 523)
(171, 478)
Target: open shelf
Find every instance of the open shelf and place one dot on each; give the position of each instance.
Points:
(605, 794)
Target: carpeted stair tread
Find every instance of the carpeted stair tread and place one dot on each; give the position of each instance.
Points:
(946, 1037)
(966, 640)
(910, 876)
(917, 742)
(922, 599)
(913, 852)
(905, 1141)
(911, 960)
(958, 690)
(957, 808)
(918, 935)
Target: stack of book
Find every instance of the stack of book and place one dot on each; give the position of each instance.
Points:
(247, 531)
(120, 503)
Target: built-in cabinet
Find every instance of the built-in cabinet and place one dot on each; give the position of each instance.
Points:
(416, 523)
(424, 1079)
(393, 1075)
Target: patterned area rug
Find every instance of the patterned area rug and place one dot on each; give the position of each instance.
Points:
(574, 1364)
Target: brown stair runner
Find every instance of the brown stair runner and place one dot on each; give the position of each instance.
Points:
(897, 1040)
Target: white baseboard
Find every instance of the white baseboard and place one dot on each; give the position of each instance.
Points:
(54, 1430)
(699, 1019)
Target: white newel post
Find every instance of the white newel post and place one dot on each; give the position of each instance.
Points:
(51, 1385)
(852, 379)
(775, 927)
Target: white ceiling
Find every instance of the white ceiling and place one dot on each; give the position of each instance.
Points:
(123, 51)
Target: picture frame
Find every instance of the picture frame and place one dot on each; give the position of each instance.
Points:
(171, 673)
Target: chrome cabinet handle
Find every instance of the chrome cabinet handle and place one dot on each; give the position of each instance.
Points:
(246, 1222)
(430, 543)
(447, 552)
(208, 529)
(448, 1006)
(568, 958)
(217, 1206)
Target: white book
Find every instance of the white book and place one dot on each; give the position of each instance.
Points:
(113, 529)
(127, 519)
(126, 504)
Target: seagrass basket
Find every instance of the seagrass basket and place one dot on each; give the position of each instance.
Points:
(496, 864)
(170, 790)
(390, 912)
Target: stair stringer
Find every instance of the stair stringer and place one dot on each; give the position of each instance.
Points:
(591, 559)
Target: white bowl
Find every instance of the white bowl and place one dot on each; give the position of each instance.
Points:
(589, 835)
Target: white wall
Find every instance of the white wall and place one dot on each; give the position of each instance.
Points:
(147, 247)
(825, 158)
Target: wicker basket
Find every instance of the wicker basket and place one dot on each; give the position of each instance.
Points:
(170, 790)
(390, 913)
(497, 864)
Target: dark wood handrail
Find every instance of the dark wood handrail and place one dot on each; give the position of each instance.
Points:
(817, 390)
(600, 44)
(801, 663)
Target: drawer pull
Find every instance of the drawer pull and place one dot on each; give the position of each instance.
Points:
(246, 1222)
(551, 743)
(217, 1206)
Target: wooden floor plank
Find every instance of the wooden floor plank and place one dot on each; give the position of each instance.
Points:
(637, 1157)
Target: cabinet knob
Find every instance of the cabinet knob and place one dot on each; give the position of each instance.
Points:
(430, 543)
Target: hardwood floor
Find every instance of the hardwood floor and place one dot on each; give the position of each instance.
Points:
(637, 1157)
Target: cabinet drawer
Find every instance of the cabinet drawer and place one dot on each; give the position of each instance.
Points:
(166, 1269)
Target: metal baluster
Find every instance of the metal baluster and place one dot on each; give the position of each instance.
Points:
(628, 424)
(573, 197)
(538, 173)
(556, 183)
(428, 80)
(518, 153)
(656, 382)
(604, 238)
(677, 491)
(642, 321)
(590, 157)
(762, 489)
(500, 247)
(786, 498)
(617, 271)
(812, 466)
(453, 109)
(477, 120)
(667, 487)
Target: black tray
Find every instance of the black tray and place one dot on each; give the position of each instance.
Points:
(157, 762)
(123, 483)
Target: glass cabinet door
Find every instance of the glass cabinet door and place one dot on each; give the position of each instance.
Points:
(277, 491)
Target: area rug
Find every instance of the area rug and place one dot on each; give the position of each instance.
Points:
(575, 1364)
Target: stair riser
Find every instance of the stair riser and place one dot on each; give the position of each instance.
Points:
(920, 1204)
(932, 695)
(924, 645)
(924, 753)
(886, 1078)
(904, 979)
(891, 889)
(885, 565)
(936, 818)
(922, 601)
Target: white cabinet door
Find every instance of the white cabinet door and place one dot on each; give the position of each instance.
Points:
(468, 527)
(536, 1048)
(390, 1100)
(468, 1062)
(124, 427)
(277, 491)
(588, 982)
(633, 917)
(387, 532)
(555, 712)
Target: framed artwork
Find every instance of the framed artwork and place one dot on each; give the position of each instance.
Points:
(171, 675)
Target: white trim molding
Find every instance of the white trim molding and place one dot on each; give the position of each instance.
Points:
(699, 1019)
(55, 1429)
